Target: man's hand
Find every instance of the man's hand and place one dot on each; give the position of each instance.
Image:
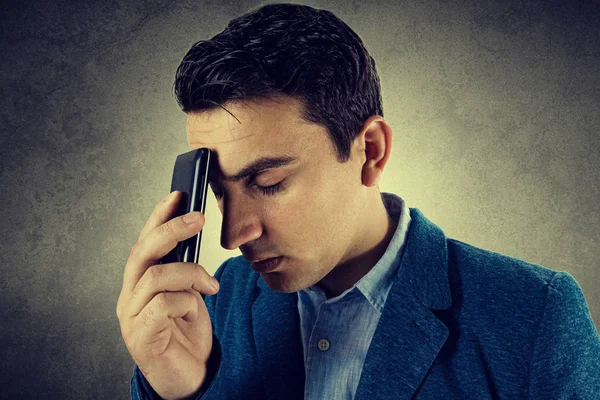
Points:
(164, 321)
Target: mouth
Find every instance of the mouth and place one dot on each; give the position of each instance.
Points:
(266, 265)
(258, 258)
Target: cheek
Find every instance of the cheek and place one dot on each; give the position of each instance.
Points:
(296, 219)
(310, 217)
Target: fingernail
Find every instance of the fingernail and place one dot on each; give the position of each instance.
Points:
(192, 217)
(214, 282)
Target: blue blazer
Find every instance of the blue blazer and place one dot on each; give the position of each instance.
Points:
(460, 322)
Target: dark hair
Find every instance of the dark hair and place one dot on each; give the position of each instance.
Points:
(286, 49)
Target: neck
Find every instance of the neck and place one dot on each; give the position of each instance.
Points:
(371, 244)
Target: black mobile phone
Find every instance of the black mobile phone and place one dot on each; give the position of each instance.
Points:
(190, 177)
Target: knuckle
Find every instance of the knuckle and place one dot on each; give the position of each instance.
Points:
(135, 250)
(139, 287)
(167, 229)
(202, 278)
(162, 300)
(155, 273)
(149, 279)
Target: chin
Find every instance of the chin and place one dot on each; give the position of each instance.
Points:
(281, 283)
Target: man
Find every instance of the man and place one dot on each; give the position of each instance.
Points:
(363, 298)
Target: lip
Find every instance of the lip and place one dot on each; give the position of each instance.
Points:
(258, 257)
(267, 265)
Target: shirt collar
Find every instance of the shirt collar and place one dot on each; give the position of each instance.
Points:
(376, 284)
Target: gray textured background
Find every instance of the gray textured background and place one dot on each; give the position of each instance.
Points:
(495, 107)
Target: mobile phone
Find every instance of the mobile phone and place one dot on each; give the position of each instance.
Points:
(190, 177)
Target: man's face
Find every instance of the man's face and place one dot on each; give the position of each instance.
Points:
(312, 220)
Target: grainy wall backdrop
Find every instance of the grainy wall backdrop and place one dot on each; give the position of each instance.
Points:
(495, 107)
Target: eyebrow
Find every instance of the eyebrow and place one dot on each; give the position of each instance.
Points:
(258, 166)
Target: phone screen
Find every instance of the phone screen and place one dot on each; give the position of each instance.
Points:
(190, 177)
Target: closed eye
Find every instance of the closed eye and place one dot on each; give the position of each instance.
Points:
(266, 190)
(269, 190)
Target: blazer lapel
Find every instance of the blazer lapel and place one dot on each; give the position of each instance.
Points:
(276, 325)
(409, 336)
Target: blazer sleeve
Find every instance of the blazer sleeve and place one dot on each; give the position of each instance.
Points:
(140, 389)
(566, 354)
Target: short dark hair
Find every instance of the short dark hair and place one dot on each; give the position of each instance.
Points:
(286, 49)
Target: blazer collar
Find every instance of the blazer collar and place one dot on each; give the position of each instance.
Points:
(408, 337)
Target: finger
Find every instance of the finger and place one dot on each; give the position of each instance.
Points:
(165, 306)
(156, 244)
(171, 277)
(162, 212)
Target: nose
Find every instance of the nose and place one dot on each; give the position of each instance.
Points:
(240, 224)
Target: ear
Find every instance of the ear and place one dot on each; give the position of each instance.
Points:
(377, 136)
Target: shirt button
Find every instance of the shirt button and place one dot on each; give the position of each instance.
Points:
(323, 344)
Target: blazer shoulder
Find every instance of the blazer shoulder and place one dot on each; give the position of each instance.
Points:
(494, 291)
(480, 264)
(498, 300)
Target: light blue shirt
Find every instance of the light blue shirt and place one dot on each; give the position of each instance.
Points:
(337, 332)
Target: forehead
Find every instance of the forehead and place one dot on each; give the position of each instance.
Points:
(257, 129)
(257, 123)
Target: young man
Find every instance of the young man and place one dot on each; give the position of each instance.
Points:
(364, 298)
